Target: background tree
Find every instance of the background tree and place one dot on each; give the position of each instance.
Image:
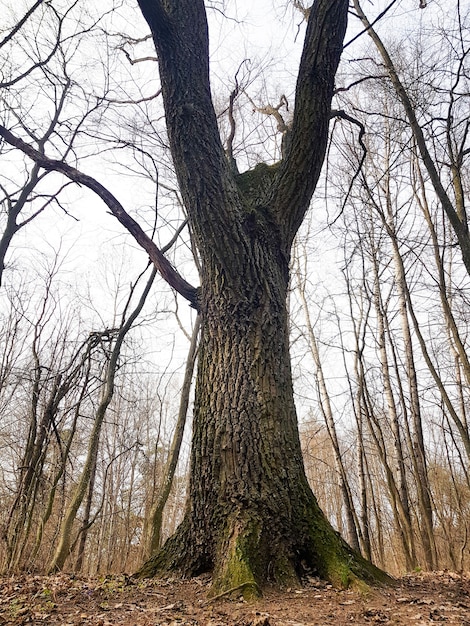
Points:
(89, 466)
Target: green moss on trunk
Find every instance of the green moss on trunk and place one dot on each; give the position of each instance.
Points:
(246, 560)
(251, 553)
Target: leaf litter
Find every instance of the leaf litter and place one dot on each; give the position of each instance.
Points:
(428, 599)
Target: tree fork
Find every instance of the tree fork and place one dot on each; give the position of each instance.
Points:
(251, 517)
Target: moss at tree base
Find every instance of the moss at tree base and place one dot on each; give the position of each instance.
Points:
(337, 562)
(246, 558)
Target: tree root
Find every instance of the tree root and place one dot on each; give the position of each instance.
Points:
(223, 594)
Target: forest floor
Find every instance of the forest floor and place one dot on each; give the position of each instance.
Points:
(431, 599)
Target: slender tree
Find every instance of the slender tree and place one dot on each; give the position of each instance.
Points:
(451, 196)
(87, 474)
(326, 409)
(155, 517)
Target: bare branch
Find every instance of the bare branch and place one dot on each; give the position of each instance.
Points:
(138, 101)
(19, 25)
(134, 61)
(167, 271)
(274, 111)
(362, 131)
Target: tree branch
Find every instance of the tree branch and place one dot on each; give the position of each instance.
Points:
(166, 270)
(362, 131)
(203, 171)
(20, 24)
(308, 137)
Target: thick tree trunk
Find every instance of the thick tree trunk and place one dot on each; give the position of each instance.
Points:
(251, 515)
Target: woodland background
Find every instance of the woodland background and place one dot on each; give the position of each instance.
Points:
(94, 347)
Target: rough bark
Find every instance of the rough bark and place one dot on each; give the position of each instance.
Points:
(251, 516)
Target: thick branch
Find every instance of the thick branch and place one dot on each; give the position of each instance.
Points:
(204, 175)
(307, 143)
(166, 270)
(20, 24)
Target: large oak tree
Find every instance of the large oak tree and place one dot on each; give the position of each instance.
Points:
(251, 514)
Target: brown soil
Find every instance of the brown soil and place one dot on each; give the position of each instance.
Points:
(431, 599)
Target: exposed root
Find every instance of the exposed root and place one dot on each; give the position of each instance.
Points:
(228, 592)
(249, 552)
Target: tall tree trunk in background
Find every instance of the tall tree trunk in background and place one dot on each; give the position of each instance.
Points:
(415, 429)
(392, 414)
(155, 516)
(356, 397)
(366, 409)
(327, 412)
(86, 522)
(417, 438)
(455, 210)
(65, 536)
(60, 471)
(49, 391)
(251, 515)
(458, 344)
